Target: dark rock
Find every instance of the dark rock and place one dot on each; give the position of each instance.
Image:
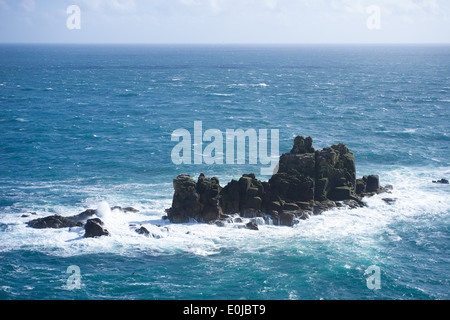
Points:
(360, 186)
(302, 164)
(224, 217)
(296, 177)
(341, 193)
(321, 189)
(251, 193)
(274, 207)
(292, 186)
(55, 222)
(291, 207)
(252, 225)
(198, 200)
(353, 204)
(94, 228)
(238, 220)
(287, 218)
(389, 200)
(126, 209)
(443, 181)
(306, 206)
(252, 207)
(373, 183)
(219, 223)
(335, 168)
(209, 192)
(308, 181)
(230, 197)
(246, 196)
(143, 230)
(186, 200)
(83, 216)
(320, 207)
(302, 145)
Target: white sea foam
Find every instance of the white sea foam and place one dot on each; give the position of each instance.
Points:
(417, 200)
(104, 210)
(222, 94)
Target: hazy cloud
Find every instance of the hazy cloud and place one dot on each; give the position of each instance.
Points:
(234, 21)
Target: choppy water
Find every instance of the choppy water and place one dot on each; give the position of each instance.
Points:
(85, 125)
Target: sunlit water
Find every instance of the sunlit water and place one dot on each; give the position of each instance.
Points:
(90, 127)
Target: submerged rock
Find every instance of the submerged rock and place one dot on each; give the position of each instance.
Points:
(389, 200)
(126, 209)
(143, 230)
(443, 181)
(252, 225)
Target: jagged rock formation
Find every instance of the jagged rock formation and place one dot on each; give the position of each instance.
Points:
(308, 182)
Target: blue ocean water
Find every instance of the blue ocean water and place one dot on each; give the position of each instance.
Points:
(82, 126)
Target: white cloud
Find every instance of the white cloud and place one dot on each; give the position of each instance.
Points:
(236, 21)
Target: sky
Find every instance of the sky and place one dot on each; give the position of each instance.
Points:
(225, 21)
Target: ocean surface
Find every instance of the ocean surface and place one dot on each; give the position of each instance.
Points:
(90, 127)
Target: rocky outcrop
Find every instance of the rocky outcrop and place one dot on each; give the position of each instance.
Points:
(197, 200)
(54, 222)
(78, 220)
(57, 221)
(308, 182)
(93, 227)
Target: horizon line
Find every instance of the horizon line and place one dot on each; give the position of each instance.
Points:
(233, 44)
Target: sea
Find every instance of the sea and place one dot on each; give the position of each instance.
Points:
(91, 127)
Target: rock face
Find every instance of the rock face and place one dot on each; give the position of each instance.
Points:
(197, 200)
(308, 182)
